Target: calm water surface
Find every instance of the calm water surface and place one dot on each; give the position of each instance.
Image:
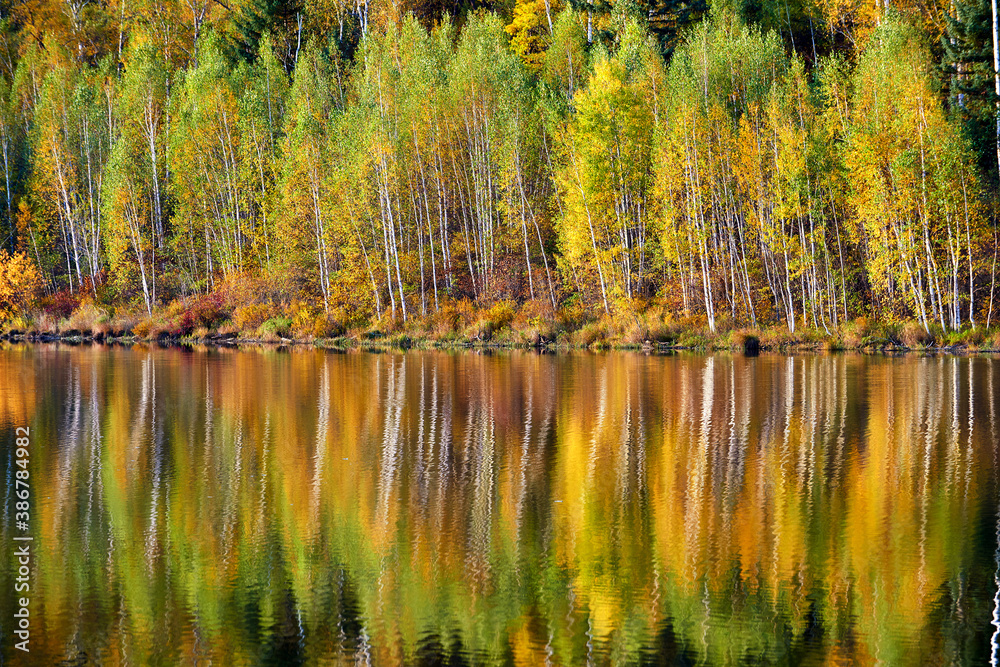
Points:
(270, 507)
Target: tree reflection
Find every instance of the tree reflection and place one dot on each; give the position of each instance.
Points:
(283, 507)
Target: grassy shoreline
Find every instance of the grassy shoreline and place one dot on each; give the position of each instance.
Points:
(881, 338)
(243, 317)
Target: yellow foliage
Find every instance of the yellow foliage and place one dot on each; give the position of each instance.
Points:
(303, 317)
(249, 317)
(86, 316)
(143, 328)
(20, 281)
(526, 28)
(327, 327)
(501, 314)
(853, 19)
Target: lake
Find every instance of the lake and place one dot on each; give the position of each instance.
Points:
(282, 507)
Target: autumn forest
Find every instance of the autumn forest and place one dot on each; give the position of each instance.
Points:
(624, 170)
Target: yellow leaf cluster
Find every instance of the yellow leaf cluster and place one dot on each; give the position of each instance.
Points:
(20, 281)
(525, 32)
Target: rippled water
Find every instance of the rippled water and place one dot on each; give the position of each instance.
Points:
(305, 507)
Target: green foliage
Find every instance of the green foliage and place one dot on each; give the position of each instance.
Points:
(377, 170)
(913, 184)
(276, 327)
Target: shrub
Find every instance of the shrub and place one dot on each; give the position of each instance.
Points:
(535, 336)
(662, 332)
(250, 288)
(854, 333)
(572, 315)
(275, 328)
(975, 337)
(19, 284)
(724, 323)
(402, 341)
(387, 324)
(87, 317)
(498, 316)
(542, 331)
(43, 321)
(635, 332)
(18, 322)
(183, 316)
(650, 326)
(535, 323)
(481, 330)
(466, 311)
(776, 337)
(143, 328)
(937, 332)
(888, 333)
(536, 310)
(592, 333)
(206, 310)
(693, 339)
(834, 344)
(60, 305)
(446, 320)
(228, 327)
(913, 335)
(326, 326)
(493, 319)
(303, 317)
(501, 314)
(969, 337)
(124, 323)
(251, 316)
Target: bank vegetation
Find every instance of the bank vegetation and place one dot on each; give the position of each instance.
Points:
(534, 174)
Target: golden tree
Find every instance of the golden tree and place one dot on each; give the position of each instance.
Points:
(19, 283)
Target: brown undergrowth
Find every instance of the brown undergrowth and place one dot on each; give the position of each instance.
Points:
(253, 310)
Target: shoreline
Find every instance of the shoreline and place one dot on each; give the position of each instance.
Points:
(404, 342)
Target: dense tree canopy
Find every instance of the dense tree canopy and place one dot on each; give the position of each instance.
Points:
(742, 163)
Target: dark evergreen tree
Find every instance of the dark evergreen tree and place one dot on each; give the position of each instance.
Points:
(283, 19)
(968, 67)
(669, 18)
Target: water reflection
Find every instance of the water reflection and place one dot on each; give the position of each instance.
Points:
(305, 507)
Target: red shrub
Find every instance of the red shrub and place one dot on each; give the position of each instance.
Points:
(61, 304)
